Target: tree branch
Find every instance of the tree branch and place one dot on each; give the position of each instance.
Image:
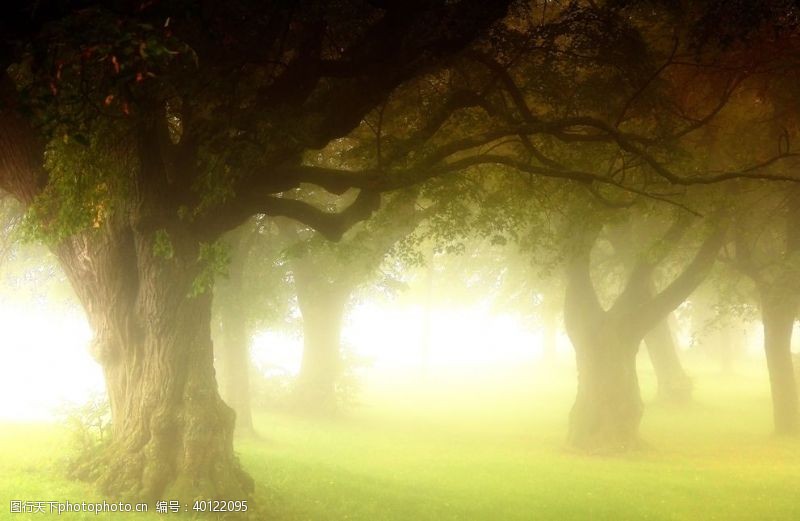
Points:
(655, 309)
(331, 225)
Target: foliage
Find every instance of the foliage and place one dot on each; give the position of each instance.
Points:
(213, 260)
(87, 69)
(88, 426)
(162, 245)
(87, 180)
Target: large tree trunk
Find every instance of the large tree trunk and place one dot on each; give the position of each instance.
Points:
(778, 312)
(608, 407)
(674, 386)
(172, 433)
(322, 306)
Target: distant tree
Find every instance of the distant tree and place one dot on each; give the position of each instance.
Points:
(674, 385)
(325, 276)
(606, 338)
(718, 313)
(766, 248)
(250, 295)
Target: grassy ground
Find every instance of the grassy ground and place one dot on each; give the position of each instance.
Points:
(474, 454)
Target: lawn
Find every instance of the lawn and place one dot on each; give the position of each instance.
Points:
(477, 454)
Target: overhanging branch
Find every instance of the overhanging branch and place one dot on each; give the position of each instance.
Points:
(331, 225)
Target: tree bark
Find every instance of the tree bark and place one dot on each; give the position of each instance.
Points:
(172, 431)
(674, 385)
(778, 312)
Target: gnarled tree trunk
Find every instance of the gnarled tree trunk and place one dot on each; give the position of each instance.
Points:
(172, 433)
(608, 405)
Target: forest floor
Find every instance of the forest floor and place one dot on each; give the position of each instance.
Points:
(479, 455)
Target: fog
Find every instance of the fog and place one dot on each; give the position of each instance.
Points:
(446, 382)
(443, 355)
(379, 260)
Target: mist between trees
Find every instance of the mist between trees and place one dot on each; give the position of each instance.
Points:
(261, 216)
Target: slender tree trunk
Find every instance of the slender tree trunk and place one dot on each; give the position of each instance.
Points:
(234, 357)
(322, 306)
(233, 351)
(172, 433)
(674, 385)
(778, 311)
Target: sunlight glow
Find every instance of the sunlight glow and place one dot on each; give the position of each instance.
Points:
(389, 336)
(46, 362)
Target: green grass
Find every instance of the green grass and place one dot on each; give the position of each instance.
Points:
(482, 452)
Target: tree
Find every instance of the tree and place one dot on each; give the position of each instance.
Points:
(233, 349)
(608, 406)
(765, 248)
(250, 294)
(165, 126)
(673, 383)
(325, 275)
